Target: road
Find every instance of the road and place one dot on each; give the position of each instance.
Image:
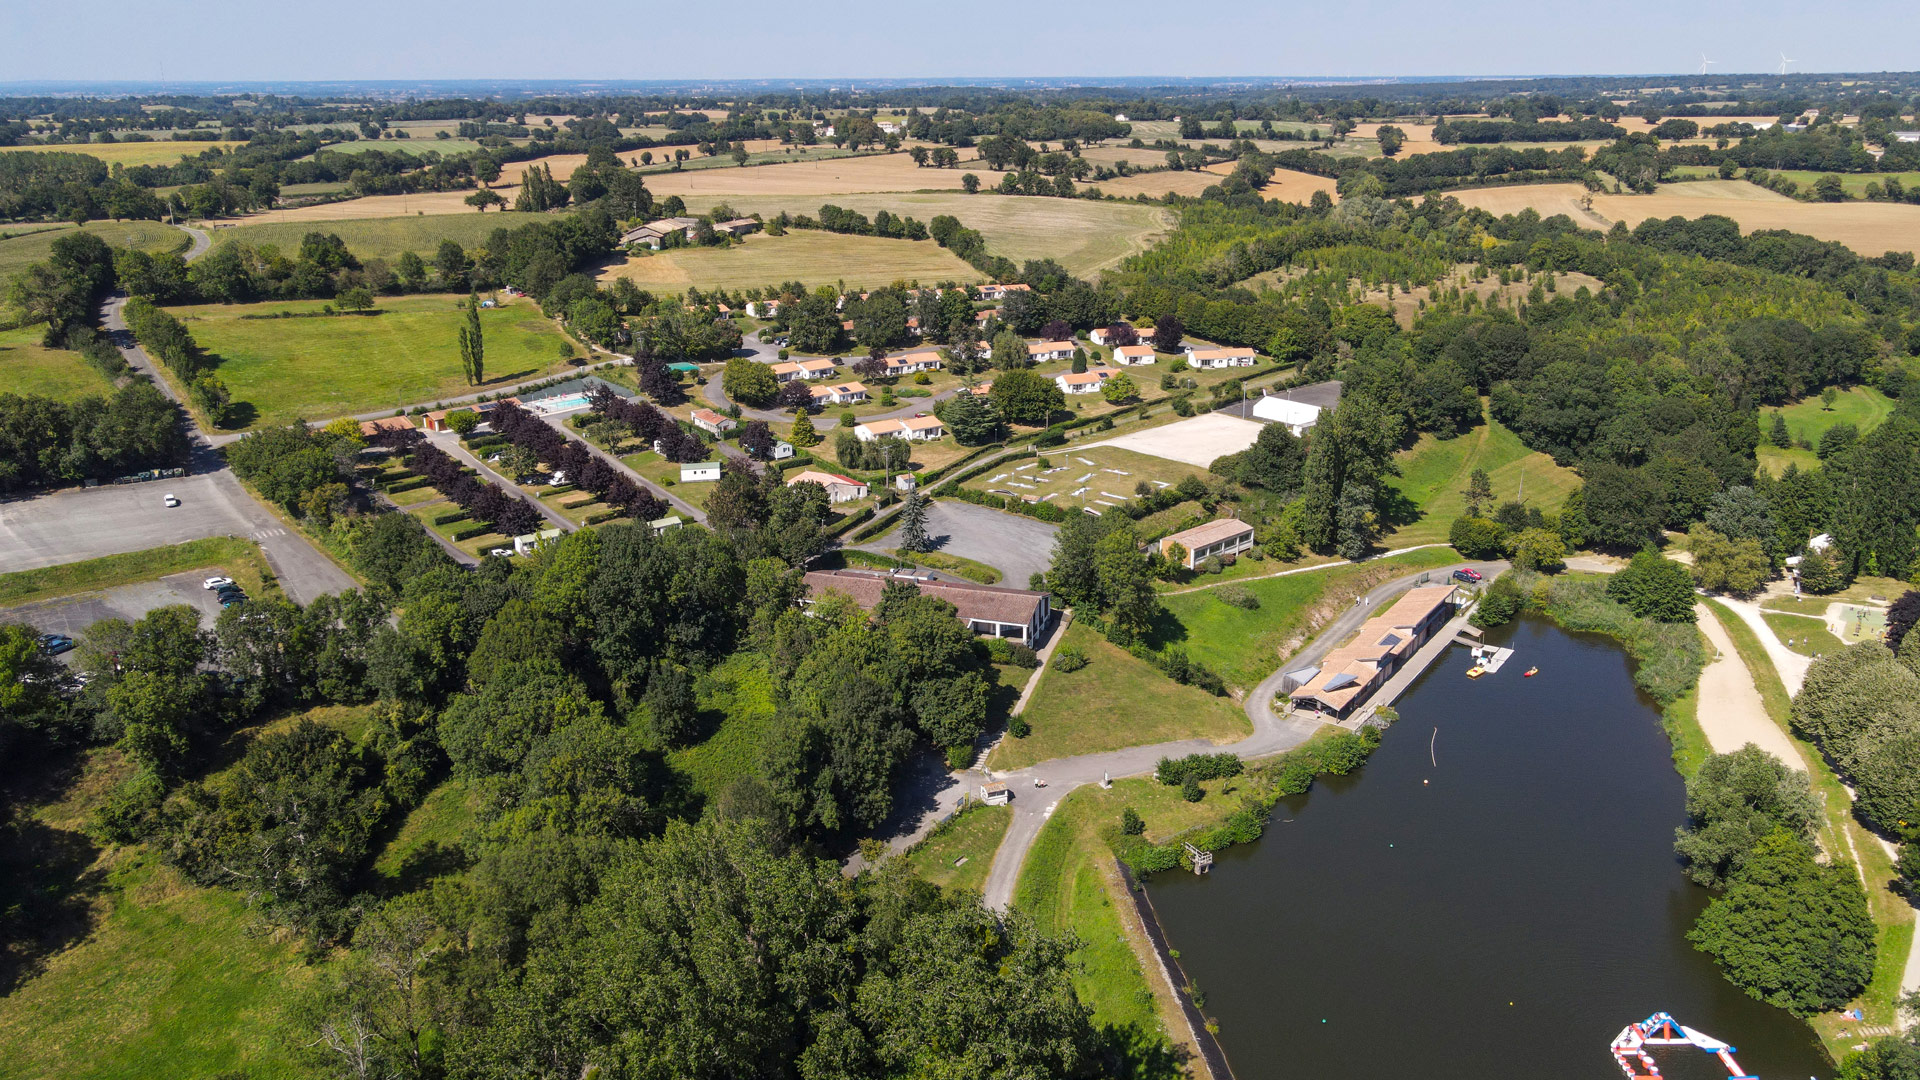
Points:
(449, 442)
(86, 523)
(71, 615)
(685, 509)
(1272, 734)
(1017, 546)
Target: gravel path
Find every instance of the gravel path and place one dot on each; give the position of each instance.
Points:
(1730, 710)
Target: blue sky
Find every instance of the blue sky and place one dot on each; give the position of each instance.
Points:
(357, 39)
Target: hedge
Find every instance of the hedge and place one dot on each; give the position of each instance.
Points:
(1042, 511)
(408, 484)
(450, 517)
(604, 516)
(798, 460)
(469, 532)
(849, 522)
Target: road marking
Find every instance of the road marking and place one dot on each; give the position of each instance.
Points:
(267, 534)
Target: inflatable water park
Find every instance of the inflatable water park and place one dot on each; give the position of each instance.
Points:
(1630, 1047)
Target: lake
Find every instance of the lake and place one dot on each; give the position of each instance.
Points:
(1494, 895)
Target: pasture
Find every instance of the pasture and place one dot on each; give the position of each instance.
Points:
(23, 245)
(804, 255)
(430, 203)
(1083, 236)
(1854, 184)
(873, 172)
(158, 152)
(315, 368)
(30, 368)
(1870, 229)
(377, 237)
(1101, 477)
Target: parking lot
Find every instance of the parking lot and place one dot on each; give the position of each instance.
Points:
(71, 615)
(71, 526)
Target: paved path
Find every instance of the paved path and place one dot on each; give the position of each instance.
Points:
(685, 508)
(1730, 710)
(1016, 545)
(448, 441)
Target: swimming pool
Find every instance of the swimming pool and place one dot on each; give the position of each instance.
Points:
(561, 404)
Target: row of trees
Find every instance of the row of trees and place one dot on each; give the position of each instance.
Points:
(507, 512)
(582, 466)
(45, 442)
(650, 424)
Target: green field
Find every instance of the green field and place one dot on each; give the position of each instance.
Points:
(155, 152)
(1862, 406)
(24, 245)
(1116, 701)
(324, 367)
(1434, 473)
(28, 367)
(667, 475)
(380, 238)
(1854, 184)
(413, 144)
(1083, 236)
(973, 836)
(1247, 646)
(808, 256)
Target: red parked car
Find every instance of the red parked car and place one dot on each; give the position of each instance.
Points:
(1466, 573)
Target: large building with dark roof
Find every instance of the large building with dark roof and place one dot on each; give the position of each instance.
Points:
(1017, 614)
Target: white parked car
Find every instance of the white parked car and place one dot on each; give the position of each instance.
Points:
(216, 582)
(171, 501)
(505, 553)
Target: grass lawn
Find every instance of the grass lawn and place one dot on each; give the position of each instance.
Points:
(1808, 637)
(427, 843)
(1811, 605)
(238, 559)
(23, 245)
(1862, 406)
(380, 237)
(808, 256)
(1246, 646)
(667, 475)
(155, 152)
(575, 505)
(1101, 477)
(30, 368)
(973, 836)
(1084, 236)
(324, 367)
(1839, 835)
(737, 705)
(1434, 473)
(1116, 701)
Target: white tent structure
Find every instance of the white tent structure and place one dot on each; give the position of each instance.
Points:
(1298, 416)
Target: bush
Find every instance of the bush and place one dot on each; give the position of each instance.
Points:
(1069, 658)
(1019, 728)
(999, 650)
(959, 757)
(469, 532)
(1477, 537)
(1190, 789)
(1238, 596)
(1022, 656)
(1131, 823)
(1171, 771)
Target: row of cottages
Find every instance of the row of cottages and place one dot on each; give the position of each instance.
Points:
(912, 429)
(789, 370)
(712, 422)
(1134, 355)
(1040, 352)
(1206, 359)
(994, 611)
(839, 488)
(838, 394)
(1082, 382)
(913, 362)
(1222, 539)
(999, 292)
(1351, 673)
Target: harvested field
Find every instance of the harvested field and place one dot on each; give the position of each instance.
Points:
(377, 206)
(877, 172)
(160, 152)
(513, 172)
(806, 256)
(1868, 228)
(1419, 138)
(1288, 185)
(1083, 236)
(1155, 184)
(376, 238)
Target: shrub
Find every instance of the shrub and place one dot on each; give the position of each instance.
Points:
(1019, 728)
(959, 757)
(463, 422)
(1069, 658)
(999, 650)
(1172, 771)
(1191, 791)
(1022, 656)
(1238, 596)
(1131, 823)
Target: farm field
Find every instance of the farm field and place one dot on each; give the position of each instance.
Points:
(30, 368)
(430, 204)
(158, 152)
(1854, 184)
(876, 172)
(1434, 473)
(418, 142)
(374, 238)
(1078, 478)
(1083, 236)
(1117, 700)
(24, 245)
(1870, 229)
(808, 256)
(1187, 182)
(1290, 185)
(1808, 419)
(324, 367)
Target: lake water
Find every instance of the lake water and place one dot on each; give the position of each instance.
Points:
(1504, 919)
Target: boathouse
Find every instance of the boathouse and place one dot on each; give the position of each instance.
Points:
(1350, 674)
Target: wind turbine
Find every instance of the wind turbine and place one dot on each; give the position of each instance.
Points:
(1784, 62)
(1704, 62)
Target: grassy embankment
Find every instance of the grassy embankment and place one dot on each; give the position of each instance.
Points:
(1841, 836)
(314, 368)
(1809, 418)
(237, 559)
(959, 852)
(1434, 473)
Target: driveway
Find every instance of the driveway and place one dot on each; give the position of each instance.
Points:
(71, 526)
(71, 615)
(1017, 546)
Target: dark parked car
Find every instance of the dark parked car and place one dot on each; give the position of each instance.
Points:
(55, 644)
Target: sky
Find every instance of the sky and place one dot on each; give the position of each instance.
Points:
(223, 40)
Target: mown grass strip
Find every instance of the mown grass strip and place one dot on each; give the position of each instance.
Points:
(110, 571)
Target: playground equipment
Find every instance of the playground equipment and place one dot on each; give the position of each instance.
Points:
(1630, 1047)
